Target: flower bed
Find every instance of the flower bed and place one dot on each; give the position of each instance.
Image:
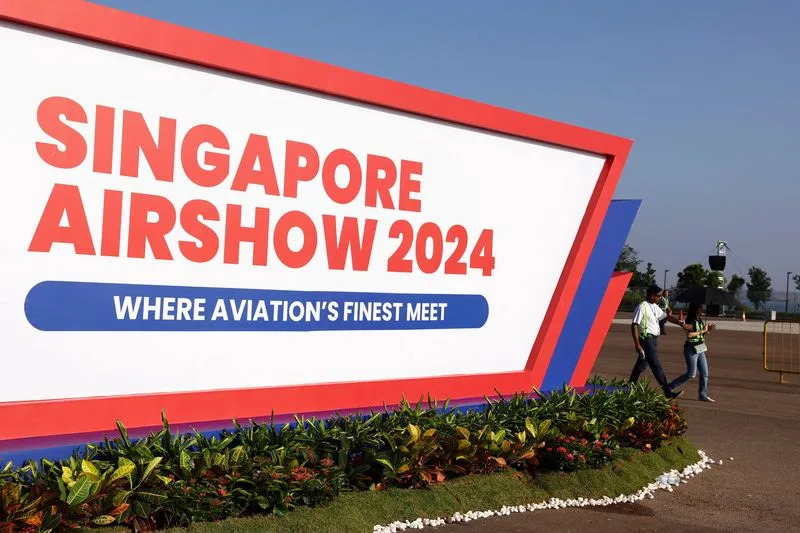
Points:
(167, 479)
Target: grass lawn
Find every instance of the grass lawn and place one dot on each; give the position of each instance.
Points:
(360, 511)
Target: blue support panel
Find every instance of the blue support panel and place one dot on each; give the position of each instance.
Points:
(610, 241)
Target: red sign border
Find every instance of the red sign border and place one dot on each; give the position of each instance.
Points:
(92, 22)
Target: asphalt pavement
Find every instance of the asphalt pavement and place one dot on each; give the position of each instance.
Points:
(753, 427)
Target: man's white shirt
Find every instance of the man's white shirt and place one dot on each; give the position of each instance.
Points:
(651, 314)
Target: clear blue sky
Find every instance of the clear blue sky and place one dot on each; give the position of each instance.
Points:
(709, 92)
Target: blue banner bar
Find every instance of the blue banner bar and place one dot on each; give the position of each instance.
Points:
(81, 306)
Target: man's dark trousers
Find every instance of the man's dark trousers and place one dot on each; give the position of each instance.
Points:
(650, 346)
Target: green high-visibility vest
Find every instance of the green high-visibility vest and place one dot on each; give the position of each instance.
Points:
(699, 339)
(643, 331)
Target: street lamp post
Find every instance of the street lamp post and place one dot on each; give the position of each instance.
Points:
(787, 291)
(665, 278)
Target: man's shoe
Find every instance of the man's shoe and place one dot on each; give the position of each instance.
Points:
(672, 394)
(707, 399)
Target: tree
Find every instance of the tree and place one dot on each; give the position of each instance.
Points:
(715, 279)
(628, 260)
(644, 279)
(796, 279)
(759, 288)
(692, 276)
(736, 283)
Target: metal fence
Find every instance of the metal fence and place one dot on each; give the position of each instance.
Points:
(782, 347)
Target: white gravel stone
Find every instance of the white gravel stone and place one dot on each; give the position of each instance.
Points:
(666, 481)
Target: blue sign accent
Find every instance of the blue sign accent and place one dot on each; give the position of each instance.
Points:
(591, 290)
(83, 306)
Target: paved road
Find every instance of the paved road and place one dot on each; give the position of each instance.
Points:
(755, 420)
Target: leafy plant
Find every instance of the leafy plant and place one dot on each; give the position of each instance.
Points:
(169, 478)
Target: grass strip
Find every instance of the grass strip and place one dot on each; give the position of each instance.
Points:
(360, 511)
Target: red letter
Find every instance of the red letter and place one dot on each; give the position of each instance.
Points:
(112, 222)
(256, 151)
(103, 139)
(49, 116)
(136, 136)
(454, 264)
(191, 214)
(219, 162)
(360, 251)
(481, 256)
(397, 262)
(293, 172)
(64, 200)
(377, 186)
(407, 186)
(235, 234)
(429, 230)
(287, 256)
(332, 162)
(141, 231)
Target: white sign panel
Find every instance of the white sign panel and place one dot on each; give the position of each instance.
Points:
(171, 228)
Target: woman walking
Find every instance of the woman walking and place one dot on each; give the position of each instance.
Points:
(694, 350)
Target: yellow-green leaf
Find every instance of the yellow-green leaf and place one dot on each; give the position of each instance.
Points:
(414, 432)
(120, 497)
(124, 470)
(87, 467)
(164, 479)
(152, 497)
(429, 434)
(628, 423)
(385, 462)
(238, 455)
(464, 432)
(79, 491)
(104, 520)
(530, 426)
(186, 460)
(66, 475)
(151, 466)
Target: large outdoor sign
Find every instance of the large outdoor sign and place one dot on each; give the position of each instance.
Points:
(216, 230)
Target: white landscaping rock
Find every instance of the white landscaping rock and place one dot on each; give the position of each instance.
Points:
(666, 481)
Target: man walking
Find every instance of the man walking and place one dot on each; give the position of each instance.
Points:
(645, 331)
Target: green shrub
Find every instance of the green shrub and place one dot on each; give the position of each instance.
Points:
(168, 479)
